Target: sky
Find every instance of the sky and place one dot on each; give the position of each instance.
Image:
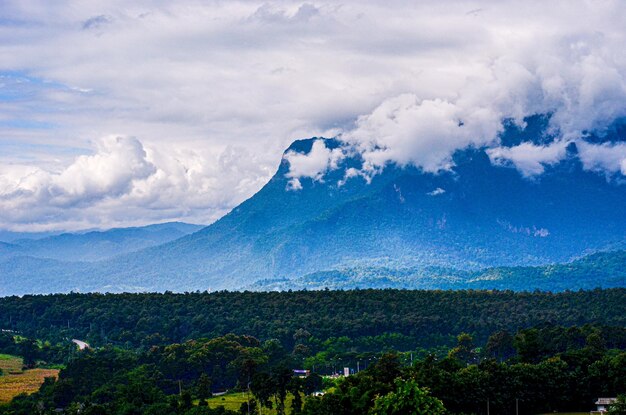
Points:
(124, 113)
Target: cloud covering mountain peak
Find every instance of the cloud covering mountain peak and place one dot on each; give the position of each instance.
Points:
(213, 93)
(578, 82)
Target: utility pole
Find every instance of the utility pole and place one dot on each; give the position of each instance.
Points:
(516, 406)
(487, 406)
(248, 397)
(357, 367)
(180, 388)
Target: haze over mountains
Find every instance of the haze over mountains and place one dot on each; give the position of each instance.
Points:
(402, 227)
(91, 245)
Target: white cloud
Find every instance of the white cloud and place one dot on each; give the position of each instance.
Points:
(313, 164)
(109, 173)
(294, 184)
(436, 192)
(214, 92)
(525, 230)
(576, 80)
(605, 157)
(126, 183)
(425, 133)
(530, 159)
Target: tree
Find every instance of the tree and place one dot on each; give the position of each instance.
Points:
(204, 387)
(295, 386)
(262, 389)
(280, 377)
(186, 402)
(500, 346)
(28, 350)
(595, 342)
(464, 350)
(529, 346)
(312, 383)
(301, 336)
(619, 407)
(248, 408)
(387, 368)
(408, 398)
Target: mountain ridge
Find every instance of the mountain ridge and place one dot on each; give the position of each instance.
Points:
(473, 217)
(598, 270)
(93, 245)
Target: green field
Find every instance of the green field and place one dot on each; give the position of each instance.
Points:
(567, 413)
(233, 402)
(10, 364)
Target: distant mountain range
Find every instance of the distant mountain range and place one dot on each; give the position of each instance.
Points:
(93, 245)
(476, 226)
(603, 269)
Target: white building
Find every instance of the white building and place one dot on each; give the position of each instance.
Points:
(602, 405)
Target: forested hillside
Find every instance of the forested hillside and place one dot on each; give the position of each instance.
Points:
(475, 216)
(166, 354)
(537, 370)
(602, 269)
(428, 318)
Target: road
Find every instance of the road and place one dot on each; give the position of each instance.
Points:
(81, 344)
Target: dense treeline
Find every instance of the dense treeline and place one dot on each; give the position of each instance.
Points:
(33, 351)
(416, 318)
(178, 378)
(167, 353)
(566, 382)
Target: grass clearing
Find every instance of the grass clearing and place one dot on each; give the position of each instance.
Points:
(16, 381)
(234, 400)
(10, 364)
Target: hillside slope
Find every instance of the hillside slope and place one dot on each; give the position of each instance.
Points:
(475, 216)
(95, 245)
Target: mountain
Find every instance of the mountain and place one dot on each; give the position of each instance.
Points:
(474, 217)
(95, 245)
(602, 269)
(8, 250)
(9, 236)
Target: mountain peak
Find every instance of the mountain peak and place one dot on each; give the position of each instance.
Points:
(474, 216)
(304, 145)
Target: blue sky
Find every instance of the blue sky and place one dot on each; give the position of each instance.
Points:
(130, 112)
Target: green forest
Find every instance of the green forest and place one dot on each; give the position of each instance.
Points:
(437, 352)
(416, 318)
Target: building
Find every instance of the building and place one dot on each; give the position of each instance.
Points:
(602, 405)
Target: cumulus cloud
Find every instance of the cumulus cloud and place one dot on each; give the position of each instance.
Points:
(214, 92)
(109, 173)
(577, 81)
(313, 164)
(605, 157)
(118, 162)
(125, 182)
(530, 159)
(424, 133)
